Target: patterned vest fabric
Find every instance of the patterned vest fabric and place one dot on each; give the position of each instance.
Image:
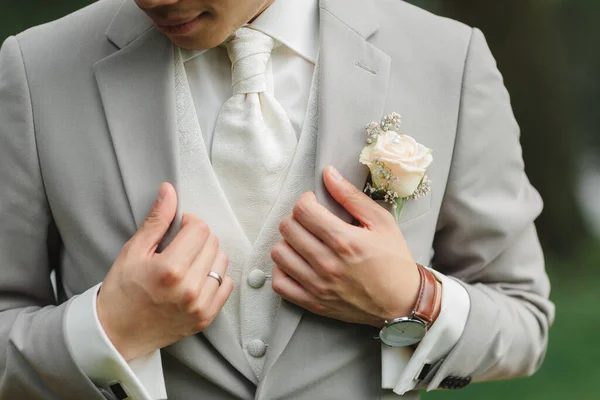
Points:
(253, 304)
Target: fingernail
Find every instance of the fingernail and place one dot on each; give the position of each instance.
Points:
(335, 174)
(162, 192)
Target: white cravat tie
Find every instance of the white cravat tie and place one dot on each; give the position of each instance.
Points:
(254, 140)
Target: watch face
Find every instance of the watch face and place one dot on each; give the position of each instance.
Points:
(403, 332)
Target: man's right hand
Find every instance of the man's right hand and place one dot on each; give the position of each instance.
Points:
(150, 300)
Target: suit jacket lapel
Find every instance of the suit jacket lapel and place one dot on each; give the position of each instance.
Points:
(354, 76)
(352, 81)
(137, 88)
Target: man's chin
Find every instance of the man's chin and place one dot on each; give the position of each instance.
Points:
(198, 41)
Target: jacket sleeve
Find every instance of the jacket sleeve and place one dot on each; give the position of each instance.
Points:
(35, 360)
(486, 238)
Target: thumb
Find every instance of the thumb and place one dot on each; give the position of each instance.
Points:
(159, 218)
(358, 204)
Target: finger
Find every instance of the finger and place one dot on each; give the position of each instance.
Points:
(291, 291)
(211, 285)
(306, 244)
(158, 220)
(188, 243)
(205, 313)
(358, 204)
(293, 265)
(319, 221)
(197, 275)
(222, 295)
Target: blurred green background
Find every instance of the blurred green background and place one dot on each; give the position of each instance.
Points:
(548, 52)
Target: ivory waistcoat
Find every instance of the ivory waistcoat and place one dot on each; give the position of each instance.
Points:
(252, 305)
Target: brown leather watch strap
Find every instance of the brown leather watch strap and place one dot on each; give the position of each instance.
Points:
(428, 295)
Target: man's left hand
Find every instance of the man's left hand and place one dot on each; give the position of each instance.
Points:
(359, 274)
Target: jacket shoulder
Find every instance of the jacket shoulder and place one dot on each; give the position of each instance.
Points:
(82, 30)
(435, 43)
(424, 28)
(422, 22)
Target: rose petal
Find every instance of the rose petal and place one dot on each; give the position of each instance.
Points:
(368, 155)
(406, 159)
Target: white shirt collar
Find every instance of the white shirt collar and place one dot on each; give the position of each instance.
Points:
(294, 23)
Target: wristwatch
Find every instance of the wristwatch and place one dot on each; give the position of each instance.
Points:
(406, 331)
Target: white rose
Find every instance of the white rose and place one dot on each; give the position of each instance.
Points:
(406, 159)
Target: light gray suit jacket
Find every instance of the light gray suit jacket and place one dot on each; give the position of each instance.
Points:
(87, 135)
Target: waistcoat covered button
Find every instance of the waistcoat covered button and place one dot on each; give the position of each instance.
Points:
(256, 279)
(256, 348)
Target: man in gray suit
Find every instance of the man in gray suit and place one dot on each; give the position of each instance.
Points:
(218, 290)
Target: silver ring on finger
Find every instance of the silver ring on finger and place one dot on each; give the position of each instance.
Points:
(216, 276)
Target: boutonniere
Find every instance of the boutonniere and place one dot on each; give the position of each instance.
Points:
(398, 164)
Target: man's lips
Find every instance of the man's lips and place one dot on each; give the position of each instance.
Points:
(173, 23)
(178, 27)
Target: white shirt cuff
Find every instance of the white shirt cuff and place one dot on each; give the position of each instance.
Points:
(141, 378)
(401, 366)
